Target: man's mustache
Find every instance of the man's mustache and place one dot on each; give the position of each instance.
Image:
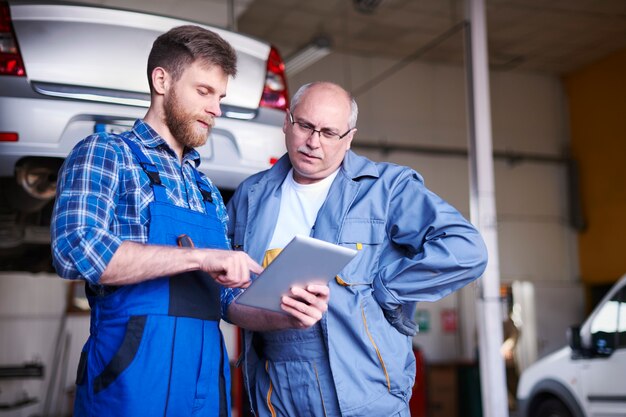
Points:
(311, 153)
(210, 121)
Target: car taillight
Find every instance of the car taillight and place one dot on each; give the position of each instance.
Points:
(275, 91)
(10, 59)
(8, 137)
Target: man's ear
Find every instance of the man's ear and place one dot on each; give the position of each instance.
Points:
(160, 78)
(350, 137)
(286, 123)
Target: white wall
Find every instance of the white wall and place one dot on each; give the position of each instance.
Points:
(424, 105)
(31, 330)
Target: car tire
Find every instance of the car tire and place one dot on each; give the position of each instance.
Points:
(552, 407)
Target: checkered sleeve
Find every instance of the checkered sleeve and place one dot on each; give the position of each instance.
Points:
(82, 244)
(227, 296)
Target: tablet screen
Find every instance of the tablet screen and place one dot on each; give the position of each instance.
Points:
(305, 260)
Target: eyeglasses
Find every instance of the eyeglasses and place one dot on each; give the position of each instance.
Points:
(305, 129)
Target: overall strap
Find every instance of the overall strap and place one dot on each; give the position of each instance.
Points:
(205, 190)
(149, 168)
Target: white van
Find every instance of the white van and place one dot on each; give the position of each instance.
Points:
(588, 377)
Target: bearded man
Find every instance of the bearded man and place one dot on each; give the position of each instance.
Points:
(146, 231)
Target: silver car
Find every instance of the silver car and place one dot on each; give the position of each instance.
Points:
(69, 70)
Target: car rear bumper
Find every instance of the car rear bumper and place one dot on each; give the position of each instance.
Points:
(49, 127)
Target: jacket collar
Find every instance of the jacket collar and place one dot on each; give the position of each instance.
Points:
(356, 166)
(264, 199)
(353, 167)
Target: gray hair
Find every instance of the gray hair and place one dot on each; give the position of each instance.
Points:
(354, 109)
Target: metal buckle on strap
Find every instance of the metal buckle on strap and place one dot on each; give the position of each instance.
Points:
(206, 195)
(155, 179)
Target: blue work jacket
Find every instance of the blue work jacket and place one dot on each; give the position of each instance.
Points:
(413, 246)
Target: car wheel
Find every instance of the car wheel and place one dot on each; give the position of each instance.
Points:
(552, 408)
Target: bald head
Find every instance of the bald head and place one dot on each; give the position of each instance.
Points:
(331, 88)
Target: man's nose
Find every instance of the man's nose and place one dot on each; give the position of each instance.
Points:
(314, 139)
(213, 107)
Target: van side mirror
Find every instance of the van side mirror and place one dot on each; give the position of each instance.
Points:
(573, 339)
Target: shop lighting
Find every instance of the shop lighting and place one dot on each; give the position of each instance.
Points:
(315, 50)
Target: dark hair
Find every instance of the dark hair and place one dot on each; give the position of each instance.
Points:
(178, 48)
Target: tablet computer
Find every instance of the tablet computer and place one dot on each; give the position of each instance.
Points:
(305, 260)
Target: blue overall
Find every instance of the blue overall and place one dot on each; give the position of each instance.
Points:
(155, 348)
(294, 377)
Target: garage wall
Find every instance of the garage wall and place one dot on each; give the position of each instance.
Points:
(597, 99)
(424, 106)
(35, 329)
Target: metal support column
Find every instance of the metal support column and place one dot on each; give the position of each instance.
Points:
(232, 19)
(483, 214)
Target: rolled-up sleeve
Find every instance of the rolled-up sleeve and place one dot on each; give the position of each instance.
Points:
(82, 244)
(440, 251)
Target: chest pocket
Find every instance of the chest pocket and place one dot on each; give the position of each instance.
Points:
(237, 239)
(367, 237)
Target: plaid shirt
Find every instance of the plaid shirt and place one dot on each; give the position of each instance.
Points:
(103, 197)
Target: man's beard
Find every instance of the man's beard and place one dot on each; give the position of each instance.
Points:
(182, 125)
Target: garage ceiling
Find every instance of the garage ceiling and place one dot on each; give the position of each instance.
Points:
(554, 36)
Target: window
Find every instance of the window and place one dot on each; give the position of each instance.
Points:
(621, 320)
(608, 329)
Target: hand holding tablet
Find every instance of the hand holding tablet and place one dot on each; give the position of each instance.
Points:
(305, 260)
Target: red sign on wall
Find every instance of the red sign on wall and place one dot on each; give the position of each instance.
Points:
(448, 320)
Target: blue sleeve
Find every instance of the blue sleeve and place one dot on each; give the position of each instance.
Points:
(82, 244)
(441, 251)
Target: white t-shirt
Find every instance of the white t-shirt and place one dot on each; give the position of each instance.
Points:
(299, 205)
